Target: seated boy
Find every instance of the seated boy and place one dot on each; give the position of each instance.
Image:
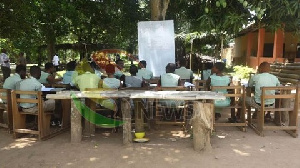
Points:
(219, 79)
(67, 77)
(112, 83)
(185, 74)
(170, 79)
(48, 76)
(133, 80)
(87, 80)
(143, 72)
(32, 84)
(263, 78)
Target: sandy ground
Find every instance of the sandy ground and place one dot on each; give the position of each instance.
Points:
(230, 148)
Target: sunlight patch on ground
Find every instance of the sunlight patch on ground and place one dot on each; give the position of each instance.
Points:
(241, 153)
(93, 159)
(221, 136)
(262, 150)
(20, 143)
(146, 148)
(180, 134)
(171, 160)
(177, 151)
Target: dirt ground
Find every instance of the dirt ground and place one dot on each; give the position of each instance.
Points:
(168, 147)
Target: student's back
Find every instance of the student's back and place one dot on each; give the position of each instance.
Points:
(67, 77)
(112, 83)
(169, 80)
(221, 81)
(207, 71)
(183, 72)
(133, 80)
(218, 79)
(143, 72)
(87, 80)
(261, 80)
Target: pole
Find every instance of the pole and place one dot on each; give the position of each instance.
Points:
(191, 54)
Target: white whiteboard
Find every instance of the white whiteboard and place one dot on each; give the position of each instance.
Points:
(156, 43)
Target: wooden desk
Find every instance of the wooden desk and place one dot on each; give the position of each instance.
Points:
(66, 112)
(202, 112)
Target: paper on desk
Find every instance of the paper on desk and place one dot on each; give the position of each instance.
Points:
(44, 89)
(188, 84)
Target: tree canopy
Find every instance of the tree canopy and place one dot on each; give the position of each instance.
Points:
(28, 25)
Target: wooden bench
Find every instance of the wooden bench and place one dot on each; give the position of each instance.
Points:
(200, 85)
(286, 101)
(19, 116)
(237, 96)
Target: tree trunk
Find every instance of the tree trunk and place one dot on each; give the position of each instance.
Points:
(51, 50)
(159, 9)
(202, 122)
(51, 40)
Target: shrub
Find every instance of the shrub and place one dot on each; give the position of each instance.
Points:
(242, 72)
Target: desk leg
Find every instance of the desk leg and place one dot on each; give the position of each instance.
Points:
(139, 115)
(66, 112)
(76, 128)
(89, 128)
(202, 125)
(9, 112)
(126, 113)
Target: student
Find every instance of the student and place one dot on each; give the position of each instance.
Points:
(133, 80)
(118, 69)
(48, 76)
(143, 72)
(87, 80)
(207, 71)
(112, 83)
(263, 78)
(169, 79)
(12, 81)
(219, 79)
(185, 74)
(32, 84)
(67, 77)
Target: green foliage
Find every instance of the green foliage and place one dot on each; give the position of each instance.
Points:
(242, 72)
(31, 23)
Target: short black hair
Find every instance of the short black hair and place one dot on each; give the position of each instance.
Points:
(143, 63)
(170, 68)
(133, 69)
(119, 60)
(20, 68)
(34, 70)
(209, 65)
(48, 65)
(71, 66)
(220, 66)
